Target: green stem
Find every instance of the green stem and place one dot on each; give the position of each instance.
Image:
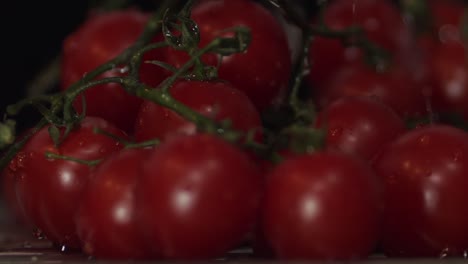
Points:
(91, 163)
(303, 67)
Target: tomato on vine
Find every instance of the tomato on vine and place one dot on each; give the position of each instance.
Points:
(100, 38)
(322, 206)
(198, 197)
(48, 187)
(218, 100)
(262, 72)
(106, 219)
(360, 126)
(424, 174)
(381, 22)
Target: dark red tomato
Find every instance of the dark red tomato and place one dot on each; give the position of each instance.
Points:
(395, 87)
(198, 198)
(425, 193)
(323, 206)
(447, 18)
(263, 71)
(216, 100)
(380, 19)
(450, 72)
(106, 219)
(15, 211)
(359, 126)
(99, 39)
(49, 189)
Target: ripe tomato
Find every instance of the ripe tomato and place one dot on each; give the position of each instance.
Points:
(447, 19)
(425, 179)
(217, 100)
(450, 73)
(198, 197)
(394, 87)
(48, 189)
(359, 125)
(106, 218)
(323, 206)
(263, 71)
(381, 21)
(99, 39)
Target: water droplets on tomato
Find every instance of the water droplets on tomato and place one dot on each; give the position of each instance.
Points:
(336, 132)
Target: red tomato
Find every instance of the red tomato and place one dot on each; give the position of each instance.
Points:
(198, 198)
(425, 179)
(359, 125)
(99, 39)
(381, 21)
(263, 71)
(447, 18)
(106, 219)
(49, 189)
(216, 100)
(394, 87)
(450, 72)
(322, 206)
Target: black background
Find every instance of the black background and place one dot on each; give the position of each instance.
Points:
(31, 34)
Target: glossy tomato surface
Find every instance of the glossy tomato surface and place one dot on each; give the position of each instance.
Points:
(217, 100)
(106, 219)
(198, 198)
(359, 126)
(263, 71)
(322, 206)
(424, 173)
(48, 189)
(100, 38)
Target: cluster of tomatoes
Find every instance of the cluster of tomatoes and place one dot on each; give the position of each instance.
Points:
(381, 167)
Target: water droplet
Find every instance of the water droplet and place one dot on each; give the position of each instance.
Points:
(465, 254)
(457, 155)
(423, 140)
(37, 233)
(444, 253)
(336, 132)
(124, 70)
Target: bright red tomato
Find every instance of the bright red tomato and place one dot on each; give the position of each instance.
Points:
(394, 87)
(263, 71)
(99, 39)
(359, 125)
(322, 206)
(198, 198)
(216, 100)
(425, 174)
(49, 189)
(381, 21)
(106, 219)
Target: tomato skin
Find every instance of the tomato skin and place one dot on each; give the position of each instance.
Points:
(447, 17)
(48, 189)
(394, 87)
(424, 172)
(198, 198)
(382, 23)
(99, 39)
(450, 73)
(215, 99)
(263, 71)
(106, 218)
(359, 125)
(323, 206)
